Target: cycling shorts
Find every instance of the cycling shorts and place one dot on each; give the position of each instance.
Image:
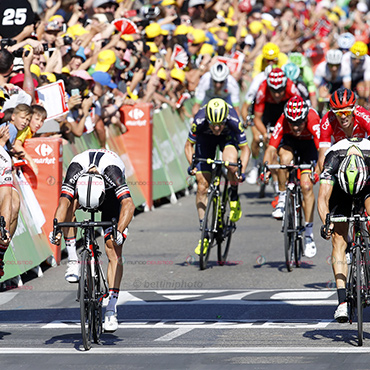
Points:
(305, 150)
(206, 145)
(340, 203)
(272, 113)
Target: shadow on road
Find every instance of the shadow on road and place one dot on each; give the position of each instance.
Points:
(337, 336)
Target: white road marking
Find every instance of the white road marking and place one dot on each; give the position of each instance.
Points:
(176, 297)
(174, 334)
(105, 350)
(6, 297)
(247, 324)
(283, 296)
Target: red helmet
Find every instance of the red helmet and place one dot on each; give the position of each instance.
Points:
(276, 79)
(342, 98)
(296, 110)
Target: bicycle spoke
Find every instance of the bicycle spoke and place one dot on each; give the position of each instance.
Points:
(359, 295)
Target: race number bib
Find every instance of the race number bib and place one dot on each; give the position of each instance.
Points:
(14, 16)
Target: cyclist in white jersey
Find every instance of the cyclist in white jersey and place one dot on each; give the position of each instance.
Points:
(117, 204)
(217, 83)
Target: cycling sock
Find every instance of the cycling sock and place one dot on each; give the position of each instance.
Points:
(201, 223)
(233, 193)
(71, 248)
(309, 229)
(282, 195)
(341, 295)
(275, 185)
(113, 297)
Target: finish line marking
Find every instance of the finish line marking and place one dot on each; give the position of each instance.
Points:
(180, 350)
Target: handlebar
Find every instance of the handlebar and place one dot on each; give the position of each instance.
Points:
(84, 225)
(217, 162)
(353, 218)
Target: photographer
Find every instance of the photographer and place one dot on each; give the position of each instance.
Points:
(79, 107)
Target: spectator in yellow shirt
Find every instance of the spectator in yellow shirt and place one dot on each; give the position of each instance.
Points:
(270, 55)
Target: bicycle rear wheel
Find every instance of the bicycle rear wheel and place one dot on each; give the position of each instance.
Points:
(289, 230)
(209, 230)
(298, 245)
(226, 230)
(85, 298)
(359, 296)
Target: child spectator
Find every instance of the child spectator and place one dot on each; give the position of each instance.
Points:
(37, 120)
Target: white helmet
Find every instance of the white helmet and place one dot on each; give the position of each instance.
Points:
(334, 56)
(219, 72)
(345, 40)
(90, 191)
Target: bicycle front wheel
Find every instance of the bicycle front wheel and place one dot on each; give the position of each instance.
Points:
(85, 298)
(289, 230)
(209, 230)
(298, 245)
(226, 230)
(98, 303)
(359, 296)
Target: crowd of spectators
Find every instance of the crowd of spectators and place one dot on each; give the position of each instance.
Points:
(111, 53)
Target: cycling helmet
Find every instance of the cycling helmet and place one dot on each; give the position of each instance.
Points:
(90, 191)
(219, 72)
(292, 71)
(345, 41)
(352, 174)
(298, 59)
(359, 49)
(296, 110)
(334, 56)
(342, 98)
(217, 111)
(270, 51)
(276, 79)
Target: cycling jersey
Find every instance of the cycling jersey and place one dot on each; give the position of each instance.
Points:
(107, 163)
(260, 63)
(308, 78)
(330, 127)
(323, 76)
(335, 155)
(6, 177)
(310, 132)
(233, 127)
(264, 95)
(360, 73)
(250, 96)
(205, 90)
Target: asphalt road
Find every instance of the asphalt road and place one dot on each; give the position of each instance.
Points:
(250, 313)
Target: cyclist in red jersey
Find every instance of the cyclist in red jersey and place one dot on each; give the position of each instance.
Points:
(296, 134)
(344, 120)
(271, 97)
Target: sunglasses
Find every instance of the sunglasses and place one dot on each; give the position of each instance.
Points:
(188, 21)
(119, 49)
(343, 112)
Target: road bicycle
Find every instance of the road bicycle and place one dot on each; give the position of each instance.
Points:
(217, 227)
(93, 286)
(358, 279)
(292, 225)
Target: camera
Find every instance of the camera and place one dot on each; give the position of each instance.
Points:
(19, 52)
(150, 12)
(7, 42)
(67, 40)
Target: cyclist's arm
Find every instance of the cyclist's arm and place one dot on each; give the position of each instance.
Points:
(195, 108)
(270, 153)
(245, 153)
(323, 198)
(320, 162)
(259, 124)
(126, 213)
(189, 151)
